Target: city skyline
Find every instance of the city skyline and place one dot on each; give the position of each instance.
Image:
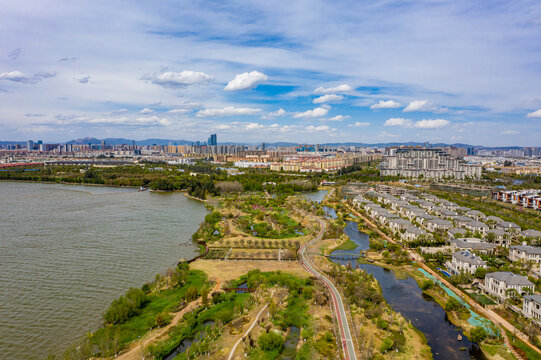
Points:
(449, 72)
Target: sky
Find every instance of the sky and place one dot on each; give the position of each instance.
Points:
(266, 71)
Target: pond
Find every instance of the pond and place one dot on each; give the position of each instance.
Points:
(316, 196)
(405, 297)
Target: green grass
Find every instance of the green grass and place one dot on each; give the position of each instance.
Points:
(481, 299)
(494, 350)
(348, 245)
(138, 325)
(530, 353)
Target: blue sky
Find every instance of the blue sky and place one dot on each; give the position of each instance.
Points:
(301, 71)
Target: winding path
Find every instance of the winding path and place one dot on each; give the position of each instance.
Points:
(338, 304)
(232, 353)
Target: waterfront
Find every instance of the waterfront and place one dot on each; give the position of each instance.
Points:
(424, 313)
(67, 251)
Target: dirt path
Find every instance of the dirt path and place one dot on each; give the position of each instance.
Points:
(135, 352)
(232, 353)
(494, 317)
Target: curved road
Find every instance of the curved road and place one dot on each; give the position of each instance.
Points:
(338, 304)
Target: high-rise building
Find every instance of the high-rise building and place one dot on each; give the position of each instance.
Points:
(213, 140)
(426, 163)
(263, 146)
(30, 145)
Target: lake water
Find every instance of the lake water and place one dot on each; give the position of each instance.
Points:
(405, 297)
(316, 196)
(66, 251)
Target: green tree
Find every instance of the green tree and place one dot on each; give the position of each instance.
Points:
(270, 342)
(478, 334)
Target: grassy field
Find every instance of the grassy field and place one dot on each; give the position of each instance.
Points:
(347, 245)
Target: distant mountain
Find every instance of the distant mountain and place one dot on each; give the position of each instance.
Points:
(120, 141)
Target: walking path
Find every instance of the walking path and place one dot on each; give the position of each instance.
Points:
(490, 314)
(135, 351)
(247, 332)
(338, 304)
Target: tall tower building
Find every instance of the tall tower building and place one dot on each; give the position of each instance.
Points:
(213, 140)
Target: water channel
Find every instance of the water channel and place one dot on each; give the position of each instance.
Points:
(405, 296)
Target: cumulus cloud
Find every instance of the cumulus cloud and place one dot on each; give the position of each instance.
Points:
(178, 111)
(116, 112)
(510, 132)
(274, 114)
(246, 80)
(227, 111)
(398, 122)
(328, 98)
(339, 118)
(170, 79)
(417, 105)
(359, 124)
(382, 104)
(317, 112)
(19, 76)
(336, 89)
(431, 123)
(253, 126)
(535, 114)
(140, 121)
(317, 128)
(146, 111)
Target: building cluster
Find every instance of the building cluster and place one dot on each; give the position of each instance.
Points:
(525, 198)
(469, 235)
(427, 163)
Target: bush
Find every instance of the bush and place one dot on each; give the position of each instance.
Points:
(382, 324)
(452, 305)
(386, 345)
(191, 294)
(163, 319)
(427, 284)
(270, 342)
(124, 307)
(478, 334)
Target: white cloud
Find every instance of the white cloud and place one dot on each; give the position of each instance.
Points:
(227, 111)
(398, 122)
(140, 121)
(253, 126)
(339, 118)
(146, 111)
(317, 112)
(431, 123)
(19, 76)
(417, 105)
(510, 132)
(274, 114)
(534, 114)
(328, 98)
(385, 134)
(170, 79)
(336, 89)
(359, 124)
(246, 80)
(317, 128)
(382, 104)
(83, 79)
(178, 111)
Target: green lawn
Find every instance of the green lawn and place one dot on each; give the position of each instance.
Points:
(348, 245)
(530, 353)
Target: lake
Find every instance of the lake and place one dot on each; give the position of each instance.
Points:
(66, 251)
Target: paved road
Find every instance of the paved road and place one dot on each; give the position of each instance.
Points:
(338, 305)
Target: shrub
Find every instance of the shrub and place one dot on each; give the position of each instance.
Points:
(427, 284)
(124, 307)
(452, 305)
(478, 334)
(382, 324)
(387, 344)
(270, 341)
(163, 319)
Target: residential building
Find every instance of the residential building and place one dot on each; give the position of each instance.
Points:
(500, 283)
(531, 233)
(438, 224)
(412, 233)
(509, 226)
(531, 307)
(477, 226)
(472, 245)
(465, 261)
(525, 253)
(426, 163)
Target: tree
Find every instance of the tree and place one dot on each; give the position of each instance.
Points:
(270, 341)
(478, 334)
(480, 272)
(452, 304)
(205, 297)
